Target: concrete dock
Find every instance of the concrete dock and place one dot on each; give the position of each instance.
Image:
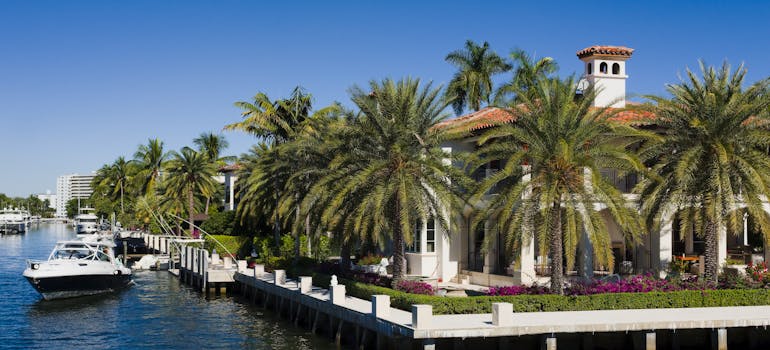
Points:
(366, 324)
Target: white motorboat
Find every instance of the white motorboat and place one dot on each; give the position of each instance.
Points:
(12, 220)
(77, 268)
(86, 222)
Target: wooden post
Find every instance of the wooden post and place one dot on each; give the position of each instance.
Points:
(719, 339)
(650, 341)
(550, 343)
(338, 336)
(315, 321)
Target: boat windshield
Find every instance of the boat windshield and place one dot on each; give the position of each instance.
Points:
(72, 253)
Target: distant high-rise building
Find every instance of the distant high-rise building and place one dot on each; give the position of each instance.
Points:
(50, 197)
(69, 187)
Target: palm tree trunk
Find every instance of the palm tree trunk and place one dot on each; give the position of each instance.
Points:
(307, 233)
(399, 267)
(121, 199)
(276, 223)
(190, 205)
(711, 271)
(297, 241)
(556, 252)
(345, 256)
(208, 200)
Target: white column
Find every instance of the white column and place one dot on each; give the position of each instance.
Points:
(664, 243)
(526, 273)
(380, 306)
(305, 284)
(502, 314)
(422, 316)
(280, 277)
(259, 270)
(337, 294)
(722, 245)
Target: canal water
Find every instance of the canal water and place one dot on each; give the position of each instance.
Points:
(157, 312)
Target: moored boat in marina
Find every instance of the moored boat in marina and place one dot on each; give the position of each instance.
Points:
(86, 222)
(13, 220)
(78, 268)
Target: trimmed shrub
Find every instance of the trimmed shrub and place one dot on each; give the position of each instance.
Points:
(220, 223)
(550, 302)
(235, 244)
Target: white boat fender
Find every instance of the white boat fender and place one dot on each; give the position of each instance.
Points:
(118, 272)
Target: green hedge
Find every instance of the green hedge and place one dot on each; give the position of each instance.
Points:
(235, 244)
(534, 303)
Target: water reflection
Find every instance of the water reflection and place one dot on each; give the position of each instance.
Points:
(156, 312)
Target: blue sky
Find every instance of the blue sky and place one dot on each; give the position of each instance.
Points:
(83, 82)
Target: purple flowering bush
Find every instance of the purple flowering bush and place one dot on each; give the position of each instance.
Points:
(635, 284)
(415, 287)
(518, 290)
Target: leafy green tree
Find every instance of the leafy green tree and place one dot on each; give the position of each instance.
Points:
(391, 170)
(526, 72)
(212, 146)
(73, 206)
(114, 178)
(190, 173)
(276, 122)
(712, 156)
(472, 84)
(564, 143)
(150, 159)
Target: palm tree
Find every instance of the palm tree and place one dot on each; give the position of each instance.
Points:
(390, 171)
(472, 84)
(526, 72)
(713, 154)
(190, 173)
(114, 178)
(150, 159)
(212, 146)
(276, 122)
(551, 178)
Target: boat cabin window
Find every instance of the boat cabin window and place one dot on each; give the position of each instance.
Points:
(72, 253)
(102, 256)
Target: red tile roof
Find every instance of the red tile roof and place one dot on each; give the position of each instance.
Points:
(229, 168)
(492, 116)
(605, 51)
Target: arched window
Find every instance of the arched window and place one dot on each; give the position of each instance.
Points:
(603, 68)
(589, 69)
(615, 68)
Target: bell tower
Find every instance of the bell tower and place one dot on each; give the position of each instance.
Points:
(605, 69)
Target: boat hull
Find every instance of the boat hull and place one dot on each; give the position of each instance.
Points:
(79, 285)
(13, 227)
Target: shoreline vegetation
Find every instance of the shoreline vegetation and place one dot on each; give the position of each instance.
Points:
(335, 181)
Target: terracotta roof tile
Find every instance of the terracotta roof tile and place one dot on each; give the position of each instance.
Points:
(492, 116)
(605, 50)
(229, 168)
(479, 120)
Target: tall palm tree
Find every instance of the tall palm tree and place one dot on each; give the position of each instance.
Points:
(526, 72)
(303, 162)
(276, 122)
(150, 159)
(190, 173)
(391, 171)
(472, 84)
(212, 146)
(713, 154)
(563, 144)
(114, 178)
